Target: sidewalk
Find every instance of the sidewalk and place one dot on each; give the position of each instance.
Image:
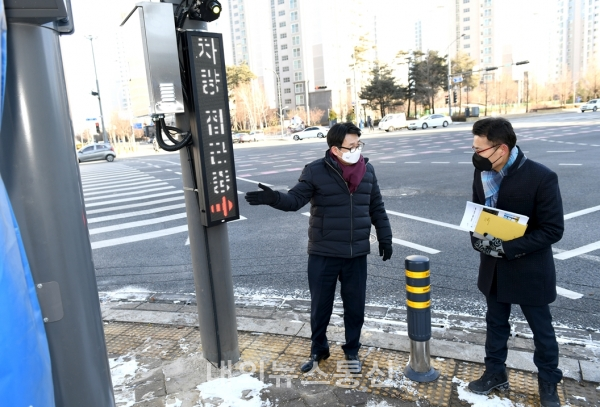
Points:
(156, 358)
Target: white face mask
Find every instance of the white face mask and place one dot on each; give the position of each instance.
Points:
(351, 158)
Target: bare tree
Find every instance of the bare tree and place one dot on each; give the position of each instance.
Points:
(591, 81)
(563, 86)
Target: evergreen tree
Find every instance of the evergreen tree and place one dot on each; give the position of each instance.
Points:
(382, 91)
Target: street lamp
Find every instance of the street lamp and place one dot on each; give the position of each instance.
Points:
(449, 75)
(97, 92)
(279, 97)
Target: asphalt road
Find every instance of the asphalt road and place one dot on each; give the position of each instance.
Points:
(138, 228)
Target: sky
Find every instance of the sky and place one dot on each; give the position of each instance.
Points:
(395, 27)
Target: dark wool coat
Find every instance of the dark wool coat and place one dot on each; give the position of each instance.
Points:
(340, 222)
(526, 275)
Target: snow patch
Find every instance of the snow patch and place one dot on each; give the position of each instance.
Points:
(239, 391)
(130, 293)
(122, 371)
(174, 403)
(478, 400)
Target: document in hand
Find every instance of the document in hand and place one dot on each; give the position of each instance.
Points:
(504, 225)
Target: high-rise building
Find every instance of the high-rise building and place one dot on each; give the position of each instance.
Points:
(576, 42)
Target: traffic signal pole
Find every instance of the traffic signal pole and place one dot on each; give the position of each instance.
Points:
(211, 260)
(39, 168)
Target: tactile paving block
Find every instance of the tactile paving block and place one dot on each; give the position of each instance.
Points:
(156, 348)
(272, 343)
(116, 328)
(579, 393)
(257, 355)
(245, 340)
(299, 347)
(123, 344)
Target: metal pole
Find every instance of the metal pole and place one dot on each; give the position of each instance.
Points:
(104, 138)
(38, 164)
(449, 86)
(307, 105)
(279, 98)
(527, 92)
(211, 260)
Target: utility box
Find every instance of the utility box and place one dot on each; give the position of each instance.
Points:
(151, 49)
(474, 111)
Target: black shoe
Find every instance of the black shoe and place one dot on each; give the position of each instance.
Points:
(315, 358)
(355, 365)
(548, 394)
(489, 382)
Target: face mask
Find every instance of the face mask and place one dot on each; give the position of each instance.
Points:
(483, 163)
(351, 158)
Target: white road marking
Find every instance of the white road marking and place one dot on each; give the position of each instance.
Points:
(137, 198)
(112, 175)
(465, 162)
(123, 189)
(187, 242)
(569, 164)
(139, 237)
(107, 218)
(133, 181)
(254, 182)
(113, 180)
(129, 193)
(412, 162)
(425, 220)
(563, 151)
(388, 162)
(136, 205)
(415, 246)
(582, 212)
(576, 252)
(440, 162)
(568, 293)
(140, 223)
(178, 173)
(283, 165)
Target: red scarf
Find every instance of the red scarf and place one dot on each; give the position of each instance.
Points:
(352, 174)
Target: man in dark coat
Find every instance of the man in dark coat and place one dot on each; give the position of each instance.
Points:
(520, 271)
(345, 200)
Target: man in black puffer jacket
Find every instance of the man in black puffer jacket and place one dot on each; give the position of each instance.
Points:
(345, 200)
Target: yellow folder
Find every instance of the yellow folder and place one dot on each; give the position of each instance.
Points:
(499, 227)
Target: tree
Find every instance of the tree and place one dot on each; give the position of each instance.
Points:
(464, 64)
(591, 81)
(429, 75)
(238, 75)
(382, 91)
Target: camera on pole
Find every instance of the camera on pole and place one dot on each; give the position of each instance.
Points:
(205, 10)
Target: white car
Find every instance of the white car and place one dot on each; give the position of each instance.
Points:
(392, 122)
(590, 105)
(257, 135)
(311, 132)
(433, 120)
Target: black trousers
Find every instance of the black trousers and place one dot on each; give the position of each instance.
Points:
(323, 273)
(539, 319)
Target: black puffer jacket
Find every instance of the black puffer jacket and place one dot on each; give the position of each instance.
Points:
(340, 222)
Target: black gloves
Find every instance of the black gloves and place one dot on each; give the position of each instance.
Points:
(265, 197)
(492, 246)
(385, 250)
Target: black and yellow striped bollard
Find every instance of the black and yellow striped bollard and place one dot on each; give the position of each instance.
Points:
(418, 319)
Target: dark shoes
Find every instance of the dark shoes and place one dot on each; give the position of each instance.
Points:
(314, 359)
(354, 364)
(488, 382)
(548, 394)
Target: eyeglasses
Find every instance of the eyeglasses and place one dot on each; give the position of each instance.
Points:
(353, 149)
(478, 152)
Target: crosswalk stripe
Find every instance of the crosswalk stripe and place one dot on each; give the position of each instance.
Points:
(139, 237)
(415, 246)
(117, 181)
(137, 198)
(130, 193)
(110, 175)
(137, 224)
(124, 189)
(107, 218)
(119, 186)
(137, 205)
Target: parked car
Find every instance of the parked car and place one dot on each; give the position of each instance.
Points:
(392, 122)
(432, 120)
(235, 137)
(100, 151)
(590, 105)
(257, 135)
(311, 132)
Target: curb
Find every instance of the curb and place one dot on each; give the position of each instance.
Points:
(453, 336)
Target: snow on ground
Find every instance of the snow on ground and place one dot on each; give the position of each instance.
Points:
(239, 391)
(130, 293)
(122, 371)
(478, 400)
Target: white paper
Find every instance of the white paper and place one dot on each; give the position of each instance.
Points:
(473, 210)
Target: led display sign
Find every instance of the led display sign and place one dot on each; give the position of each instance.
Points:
(211, 122)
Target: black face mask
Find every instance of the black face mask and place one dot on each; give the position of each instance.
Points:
(483, 163)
